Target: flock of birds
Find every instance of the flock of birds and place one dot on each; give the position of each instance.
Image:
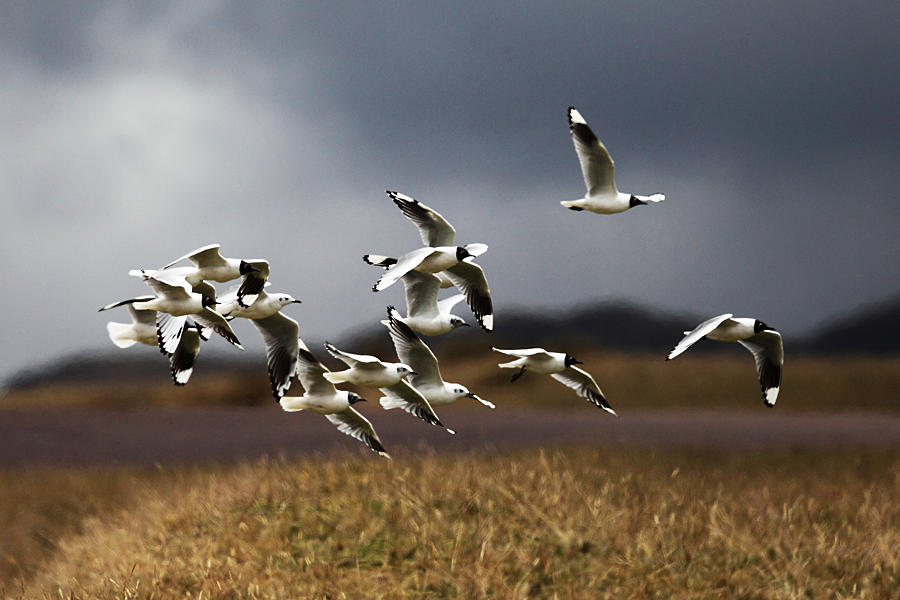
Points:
(184, 310)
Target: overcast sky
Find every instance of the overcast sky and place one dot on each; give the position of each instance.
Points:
(134, 133)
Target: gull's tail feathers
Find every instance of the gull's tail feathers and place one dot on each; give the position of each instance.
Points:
(119, 334)
(338, 377)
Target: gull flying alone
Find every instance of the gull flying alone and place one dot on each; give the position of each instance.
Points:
(598, 170)
(280, 333)
(336, 405)
(175, 301)
(561, 367)
(427, 379)
(369, 371)
(760, 339)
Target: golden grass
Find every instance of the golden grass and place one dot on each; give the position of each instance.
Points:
(574, 523)
(721, 381)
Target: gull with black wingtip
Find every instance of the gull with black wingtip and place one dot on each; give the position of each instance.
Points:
(763, 341)
(561, 367)
(280, 333)
(598, 170)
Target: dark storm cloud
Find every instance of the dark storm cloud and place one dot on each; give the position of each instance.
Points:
(273, 129)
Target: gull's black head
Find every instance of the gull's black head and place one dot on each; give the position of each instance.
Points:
(633, 201)
(759, 326)
(208, 301)
(246, 267)
(571, 360)
(354, 398)
(457, 322)
(462, 253)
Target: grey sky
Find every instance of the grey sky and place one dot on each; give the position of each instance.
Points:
(133, 133)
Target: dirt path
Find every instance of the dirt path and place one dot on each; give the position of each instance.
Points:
(196, 435)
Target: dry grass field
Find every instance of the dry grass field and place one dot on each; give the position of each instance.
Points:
(565, 523)
(543, 523)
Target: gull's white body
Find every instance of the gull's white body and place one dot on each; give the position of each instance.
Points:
(424, 312)
(427, 380)
(761, 340)
(561, 367)
(535, 359)
(366, 370)
(598, 170)
(427, 259)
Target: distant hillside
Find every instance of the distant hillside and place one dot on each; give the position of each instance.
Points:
(613, 326)
(874, 330)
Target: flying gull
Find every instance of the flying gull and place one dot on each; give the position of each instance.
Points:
(598, 170)
(561, 367)
(280, 333)
(760, 339)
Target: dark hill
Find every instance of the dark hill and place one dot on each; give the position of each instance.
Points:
(874, 330)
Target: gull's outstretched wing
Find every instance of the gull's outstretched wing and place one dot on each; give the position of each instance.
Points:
(282, 337)
(692, 337)
(434, 229)
(597, 165)
(404, 265)
(357, 426)
(421, 294)
(409, 399)
(207, 256)
(253, 283)
(768, 351)
(470, 279)
(411, 350)
(584, 385)
(310, 373)
(181, 363)
(358, 361)
(213, 320)
(523, 352)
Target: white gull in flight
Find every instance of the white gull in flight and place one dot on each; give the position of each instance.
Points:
(561, 367)
(760, 339)
(598, 170)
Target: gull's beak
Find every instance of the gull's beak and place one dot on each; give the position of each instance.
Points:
(413, 373)
(296, 302)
